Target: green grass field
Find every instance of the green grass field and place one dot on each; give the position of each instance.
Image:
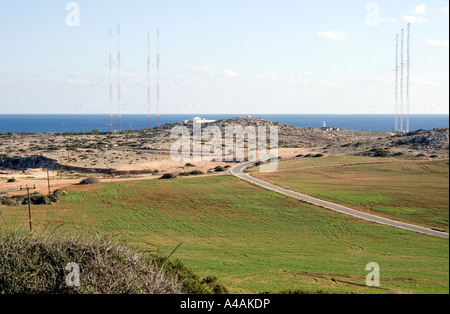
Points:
(412, 191)
(254, 240)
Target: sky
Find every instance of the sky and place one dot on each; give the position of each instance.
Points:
(222, 57)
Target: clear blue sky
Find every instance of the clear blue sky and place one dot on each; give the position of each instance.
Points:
(233, 56)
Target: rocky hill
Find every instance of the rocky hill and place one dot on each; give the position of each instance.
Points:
(112, 150)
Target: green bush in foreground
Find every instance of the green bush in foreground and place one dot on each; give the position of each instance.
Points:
(36, 265)
(192, 283)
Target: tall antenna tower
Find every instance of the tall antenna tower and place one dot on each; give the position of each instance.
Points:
(119, 86)
(148, 81)
(396, 84)
(110, 82)
(157, 78)
(408, 65)
(402, 66)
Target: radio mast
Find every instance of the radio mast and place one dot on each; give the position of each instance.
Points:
(110, 82)
(158, 60)
(119, 85)
(148, 81)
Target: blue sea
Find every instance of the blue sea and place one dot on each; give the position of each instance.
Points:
(87, 123)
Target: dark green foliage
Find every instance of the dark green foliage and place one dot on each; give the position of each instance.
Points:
(11, 180)
(378, 152)
(192, 283)
(196, 173)
(36, 265)
(37, 199)
(213, 284)
(59, 193)
(90, 180)
(168, 176)
(219, 169)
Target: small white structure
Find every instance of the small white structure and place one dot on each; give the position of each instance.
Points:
(326, 128)
(199, 120)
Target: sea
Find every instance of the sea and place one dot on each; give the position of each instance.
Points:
(34, 123)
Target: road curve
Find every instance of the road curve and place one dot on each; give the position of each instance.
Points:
(238, 171)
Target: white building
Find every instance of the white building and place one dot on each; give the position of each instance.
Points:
(199, 120)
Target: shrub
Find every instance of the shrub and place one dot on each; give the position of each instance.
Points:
(90, 180)
(167, 176)
(219, 169)
(11, 201)
(53, 198)
(192, 283)
(59, 193)
(378, 152)
(11, 180)
(31, 264)
(190, 165)
(196, 173)
(37, 199)
(216, 288)
(318, 156)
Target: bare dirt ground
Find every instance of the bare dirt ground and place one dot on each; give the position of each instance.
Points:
(38, 177)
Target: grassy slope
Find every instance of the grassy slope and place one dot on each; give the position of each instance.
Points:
(406, 190)
(254, 240)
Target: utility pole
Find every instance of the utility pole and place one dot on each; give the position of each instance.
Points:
(48, 182)
(29, 202)
(60, 167)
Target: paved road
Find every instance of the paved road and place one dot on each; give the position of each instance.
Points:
(238, 171)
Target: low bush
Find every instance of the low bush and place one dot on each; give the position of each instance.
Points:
(90, 180)
(38, 200)
(168, 176)
(196, 173)
(31, 264)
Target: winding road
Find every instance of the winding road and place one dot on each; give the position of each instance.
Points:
(238, 171)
